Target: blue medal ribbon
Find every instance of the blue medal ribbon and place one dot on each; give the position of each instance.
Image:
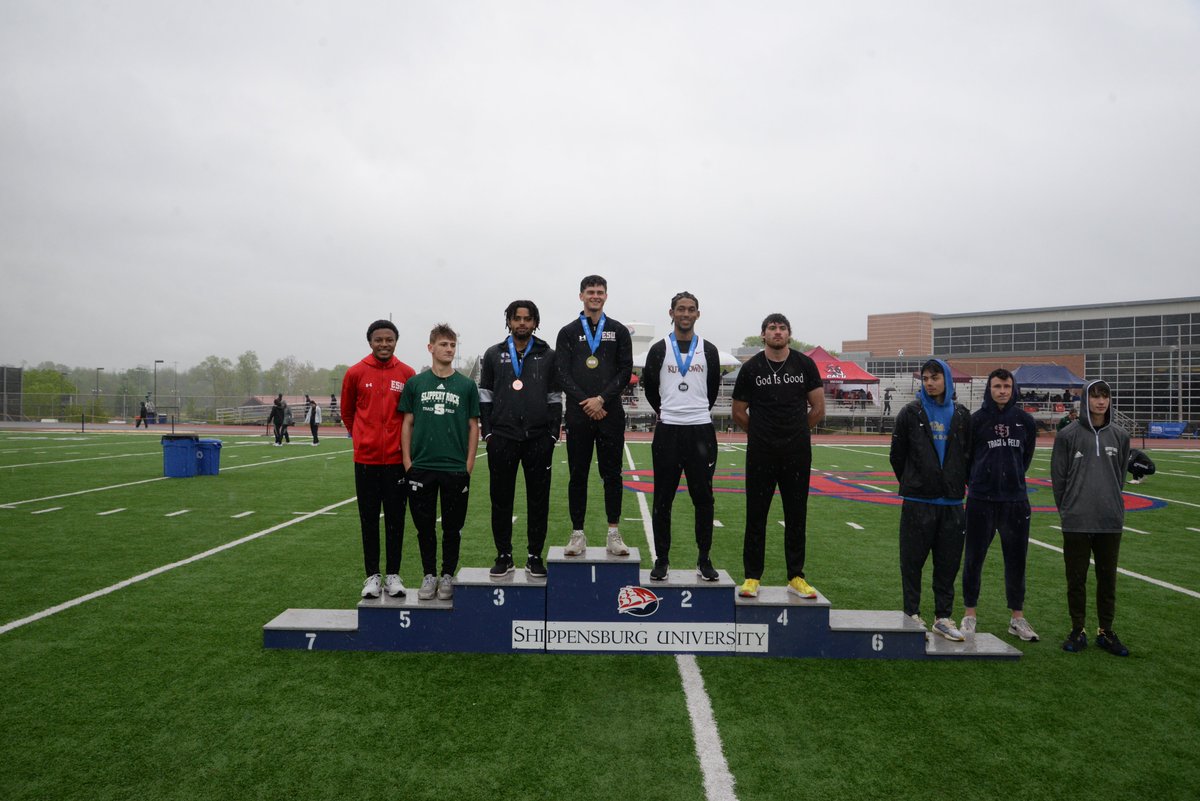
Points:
(684, 365)
(593, 341)
(518, 366)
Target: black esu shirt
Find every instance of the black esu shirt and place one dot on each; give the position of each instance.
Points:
(778, 396)
(608, 379)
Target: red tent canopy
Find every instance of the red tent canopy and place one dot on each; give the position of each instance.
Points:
(836, 371)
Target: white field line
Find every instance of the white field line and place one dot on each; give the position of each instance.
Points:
(1125, 572)
(718, 781)
(1135, 530)
(177, 514)
(110, 512)
(241, 514)
(145, 481)
(1176, 475)
(855, 526)
(72, 461)
(718, 524)
(44, 511)
(53, 610)
(851, 450)
(1197, 530)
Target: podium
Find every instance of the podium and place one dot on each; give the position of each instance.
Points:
(597, 603)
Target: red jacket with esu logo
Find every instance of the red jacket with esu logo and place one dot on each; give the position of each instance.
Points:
(370, 394)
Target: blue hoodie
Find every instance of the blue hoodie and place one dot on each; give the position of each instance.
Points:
(939, 414)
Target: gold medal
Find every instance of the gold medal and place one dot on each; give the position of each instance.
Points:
(592, 362)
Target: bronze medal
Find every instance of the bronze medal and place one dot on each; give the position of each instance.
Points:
(518, 385)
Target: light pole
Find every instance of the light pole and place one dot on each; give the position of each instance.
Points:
(98, 369)
(157, 362)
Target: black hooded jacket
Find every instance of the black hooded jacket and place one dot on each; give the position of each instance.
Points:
(1002, 445)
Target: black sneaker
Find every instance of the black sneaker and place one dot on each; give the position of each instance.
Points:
(704, 570)
(503, 566)
(1076, 641)
(1109, 641)
(534, 566)
(661, 570)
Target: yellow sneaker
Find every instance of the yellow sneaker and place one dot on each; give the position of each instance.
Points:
(749, 588)
(799, 586)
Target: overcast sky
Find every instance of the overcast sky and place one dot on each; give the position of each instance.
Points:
(193, 178)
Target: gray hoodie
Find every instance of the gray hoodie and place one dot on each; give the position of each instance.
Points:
(1087, 468)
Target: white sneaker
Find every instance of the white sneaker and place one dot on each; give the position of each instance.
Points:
(393, 585)
(968, 626)
(945, 627)
(371, 587)
(577, 544)
(917, 619)
(445, 590)
(616, 546)
(428, 588)
(1019, 627)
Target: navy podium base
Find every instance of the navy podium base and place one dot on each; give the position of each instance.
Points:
(599, 603)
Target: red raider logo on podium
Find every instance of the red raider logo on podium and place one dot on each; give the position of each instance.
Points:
(637, 601)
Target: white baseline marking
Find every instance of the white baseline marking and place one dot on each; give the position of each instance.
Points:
(1123, 571)
(143, 481)
(72, 461)
(54, 610)
(718, 781)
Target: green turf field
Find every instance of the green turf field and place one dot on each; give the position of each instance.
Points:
(161, 689)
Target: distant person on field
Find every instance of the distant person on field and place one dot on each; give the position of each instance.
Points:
(371, 392)
(887, 401)
(777, 400)
(312, 416)
(681, 379)
(1003, 439)
(521, 413)
(277, 418)
(141, 420)
(1070, 417)
(151, 414)
(334, 417)
(1087, 469)
(439, 438)
(931, 447)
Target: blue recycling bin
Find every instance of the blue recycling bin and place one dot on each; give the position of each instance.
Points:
(208, 457)
(179, 455)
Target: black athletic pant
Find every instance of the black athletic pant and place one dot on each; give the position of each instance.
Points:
(312, 426)
(692, 451)
(535, 457)
(280, 433)
(1078, 549)
(607, 437)
(380, 485)
(930, 528)
(788, 469)
(984, 518)
(424, 488)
